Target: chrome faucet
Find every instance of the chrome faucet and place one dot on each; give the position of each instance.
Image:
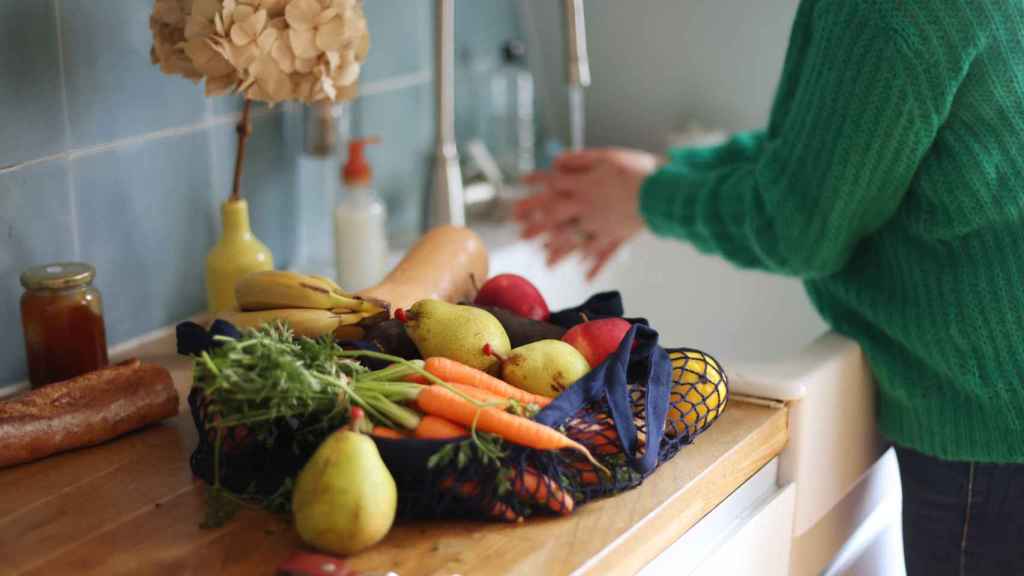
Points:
(576, 40)
(446, 204)
(577, 69)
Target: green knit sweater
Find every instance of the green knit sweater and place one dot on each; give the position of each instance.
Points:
(891, 179)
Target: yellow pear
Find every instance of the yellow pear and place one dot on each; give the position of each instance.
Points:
(344, 499)
(457, 332)
(545, 367)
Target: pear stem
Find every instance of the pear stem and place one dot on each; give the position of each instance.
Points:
(489, 351)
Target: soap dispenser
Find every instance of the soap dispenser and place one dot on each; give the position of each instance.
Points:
(360, 223)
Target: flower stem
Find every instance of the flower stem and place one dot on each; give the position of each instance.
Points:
(244, 129)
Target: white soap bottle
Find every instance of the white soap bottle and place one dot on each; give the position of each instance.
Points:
(360, 224)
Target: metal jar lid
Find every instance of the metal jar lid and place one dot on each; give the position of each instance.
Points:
(57, 276)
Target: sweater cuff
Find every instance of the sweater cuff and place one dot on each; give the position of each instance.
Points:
(693, 156)
(660, 196)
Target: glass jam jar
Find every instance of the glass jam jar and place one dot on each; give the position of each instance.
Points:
(62, 317)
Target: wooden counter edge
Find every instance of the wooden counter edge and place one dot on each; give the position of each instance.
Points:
(674, 517)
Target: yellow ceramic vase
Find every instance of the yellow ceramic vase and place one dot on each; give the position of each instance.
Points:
(236, 254)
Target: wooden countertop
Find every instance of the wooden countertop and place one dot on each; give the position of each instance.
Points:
(132, 506)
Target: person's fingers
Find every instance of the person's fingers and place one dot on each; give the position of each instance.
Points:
(524, 208)
(560, 243)
(602, 257)
(556, 190)
(552, 179)
(567, 182)
(537, 177)
(577, 160)
(556, 214)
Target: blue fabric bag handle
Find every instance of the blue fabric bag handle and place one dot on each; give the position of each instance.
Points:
(601, 305)
(649, 363)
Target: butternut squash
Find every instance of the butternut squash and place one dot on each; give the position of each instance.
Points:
(442, 264)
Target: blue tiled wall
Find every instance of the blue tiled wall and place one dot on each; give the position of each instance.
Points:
(104, 159)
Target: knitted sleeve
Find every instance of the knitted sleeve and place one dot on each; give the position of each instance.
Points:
(866, 105)
(741, 147)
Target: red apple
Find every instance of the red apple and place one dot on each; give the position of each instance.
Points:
(597, 339)
(515, 294)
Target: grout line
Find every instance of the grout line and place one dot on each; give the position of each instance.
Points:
(28, 163)
(76, 153)
(76, 241)
(60, 69)
(164, 133)
(391, 84)
(396, 83)
(69, 173)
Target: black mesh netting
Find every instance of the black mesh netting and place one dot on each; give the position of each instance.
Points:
(643, 395)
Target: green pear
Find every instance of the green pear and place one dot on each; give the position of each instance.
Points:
(344, 499)
(545, 367)
(457, 332)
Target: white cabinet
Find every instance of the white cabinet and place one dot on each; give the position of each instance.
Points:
(750, 532)
(761, 545)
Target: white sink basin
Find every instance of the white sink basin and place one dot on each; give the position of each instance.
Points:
(748, 320)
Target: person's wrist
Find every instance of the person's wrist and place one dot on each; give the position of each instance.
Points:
(646, 197)
(635, 220)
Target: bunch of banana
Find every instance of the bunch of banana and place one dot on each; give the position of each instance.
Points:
(311, 305)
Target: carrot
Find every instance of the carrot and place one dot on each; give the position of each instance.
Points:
(385, 432)
(471, 489)
(480, 395)
(516, 429)
(602, 437)
(532, 485)
(436, 428)
(487, 397)
(588, 477)
(456, 372)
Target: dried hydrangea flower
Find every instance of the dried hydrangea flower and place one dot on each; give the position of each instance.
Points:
(270, 50)
(167, 24)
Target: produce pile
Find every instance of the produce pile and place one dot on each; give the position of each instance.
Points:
(481, 409)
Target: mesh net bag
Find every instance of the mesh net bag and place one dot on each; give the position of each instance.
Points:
(633, 412)
(641, 397)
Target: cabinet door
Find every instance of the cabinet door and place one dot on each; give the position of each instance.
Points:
(760, 546)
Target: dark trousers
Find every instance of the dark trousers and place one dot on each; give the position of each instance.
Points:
(961, 518)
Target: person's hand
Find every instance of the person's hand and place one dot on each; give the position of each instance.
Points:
(589, 201)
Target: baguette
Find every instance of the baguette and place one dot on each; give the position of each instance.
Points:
(84, 411)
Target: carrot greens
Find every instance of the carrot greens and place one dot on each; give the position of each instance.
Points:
(251, 385)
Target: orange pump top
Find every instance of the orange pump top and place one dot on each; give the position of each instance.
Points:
(357, 171)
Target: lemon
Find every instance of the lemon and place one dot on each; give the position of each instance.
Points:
(699, 392)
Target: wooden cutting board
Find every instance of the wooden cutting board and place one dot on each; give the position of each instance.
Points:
(132, 507)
